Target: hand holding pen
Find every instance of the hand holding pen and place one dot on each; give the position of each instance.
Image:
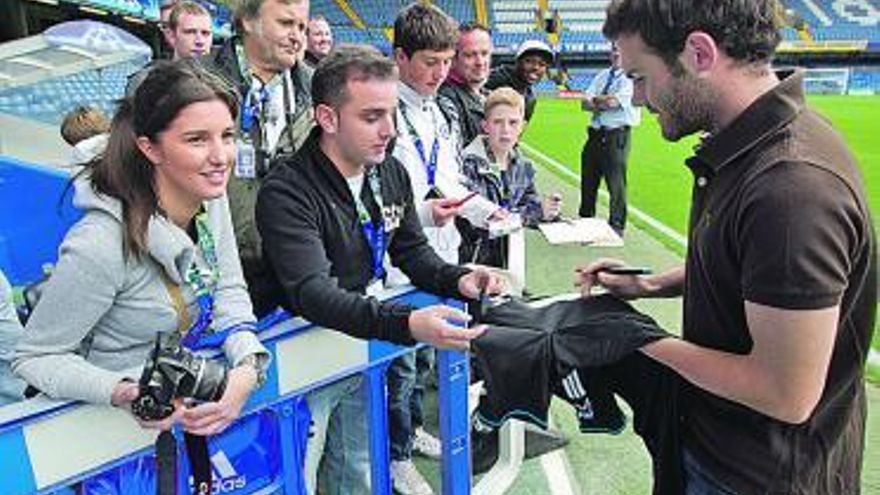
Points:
(627, 282)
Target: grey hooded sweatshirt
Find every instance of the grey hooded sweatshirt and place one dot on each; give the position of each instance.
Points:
(99, 314)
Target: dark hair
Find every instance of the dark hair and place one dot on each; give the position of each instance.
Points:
(347, 62)
(471, 26)
(424, 27)
(746, 30)
(123, 171)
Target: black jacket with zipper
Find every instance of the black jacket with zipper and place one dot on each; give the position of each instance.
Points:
(322, 263)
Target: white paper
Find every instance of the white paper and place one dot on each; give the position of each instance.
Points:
(591, 231)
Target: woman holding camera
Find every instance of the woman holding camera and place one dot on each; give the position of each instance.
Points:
(155, 252)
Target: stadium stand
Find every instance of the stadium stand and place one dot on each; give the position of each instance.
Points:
(44, 76)
(462, 10)
(837, 20)
(331, 11)
(513, 21)
(581, 19)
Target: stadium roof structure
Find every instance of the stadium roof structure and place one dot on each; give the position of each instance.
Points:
(68, 48)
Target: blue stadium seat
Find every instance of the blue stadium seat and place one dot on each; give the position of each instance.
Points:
(839, 20)
(331, 11)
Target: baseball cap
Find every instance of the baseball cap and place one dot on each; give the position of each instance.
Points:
(537, 47)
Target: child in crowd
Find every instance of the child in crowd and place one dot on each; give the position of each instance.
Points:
(85, 128)
(494, 167)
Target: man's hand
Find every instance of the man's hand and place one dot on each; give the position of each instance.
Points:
(431, 325)
(499, 214)
(587, 103)
(623, 286)
(473, 283)
(444, 210)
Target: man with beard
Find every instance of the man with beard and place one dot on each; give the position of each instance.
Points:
(463, 88)
(609, 99)
(780, 278)
(261, 62)
(319, 41)
(532, 60)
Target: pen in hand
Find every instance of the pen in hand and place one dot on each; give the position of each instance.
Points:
(626, 270)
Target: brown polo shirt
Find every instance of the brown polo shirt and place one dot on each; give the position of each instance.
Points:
(779, 218)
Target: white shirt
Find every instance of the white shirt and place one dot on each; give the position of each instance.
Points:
(429, 124)
(621, 87)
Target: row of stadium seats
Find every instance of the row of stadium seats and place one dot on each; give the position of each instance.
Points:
(331, 11)
(513, 21)
(49, 100)
(839, 19)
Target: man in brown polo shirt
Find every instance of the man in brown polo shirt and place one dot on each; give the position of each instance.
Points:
(780, 279)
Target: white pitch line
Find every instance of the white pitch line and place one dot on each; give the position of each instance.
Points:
(555, 466)
(874, 357)
(641, 215)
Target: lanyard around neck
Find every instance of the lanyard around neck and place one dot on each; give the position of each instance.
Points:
(429, 162)
(374, 232)
(202, 281)
(256, 99)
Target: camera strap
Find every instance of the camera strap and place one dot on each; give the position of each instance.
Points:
(196, 445)
(166, 464)
(199, 462)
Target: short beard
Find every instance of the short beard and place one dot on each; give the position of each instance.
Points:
(688, 105)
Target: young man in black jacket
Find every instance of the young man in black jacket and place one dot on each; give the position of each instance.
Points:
(328, 215)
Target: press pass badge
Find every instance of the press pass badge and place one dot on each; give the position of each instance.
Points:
(246, 160)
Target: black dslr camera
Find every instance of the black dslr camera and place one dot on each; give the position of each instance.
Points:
(172, 372)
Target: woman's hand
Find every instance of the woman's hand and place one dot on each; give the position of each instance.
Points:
(126, 391)
(210, 418)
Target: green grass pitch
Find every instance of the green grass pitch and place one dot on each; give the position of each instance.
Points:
(658, 181)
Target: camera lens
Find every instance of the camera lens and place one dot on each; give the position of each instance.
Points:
(210, 380)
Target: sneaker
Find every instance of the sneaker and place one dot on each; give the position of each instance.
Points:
(426, 445)
(406, 479)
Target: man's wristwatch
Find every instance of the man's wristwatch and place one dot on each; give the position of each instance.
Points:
(254, 362)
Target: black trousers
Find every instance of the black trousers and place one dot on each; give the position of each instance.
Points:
(604, 155)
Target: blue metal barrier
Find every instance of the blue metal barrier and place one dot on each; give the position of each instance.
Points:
(69, 448)
(53, 447)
